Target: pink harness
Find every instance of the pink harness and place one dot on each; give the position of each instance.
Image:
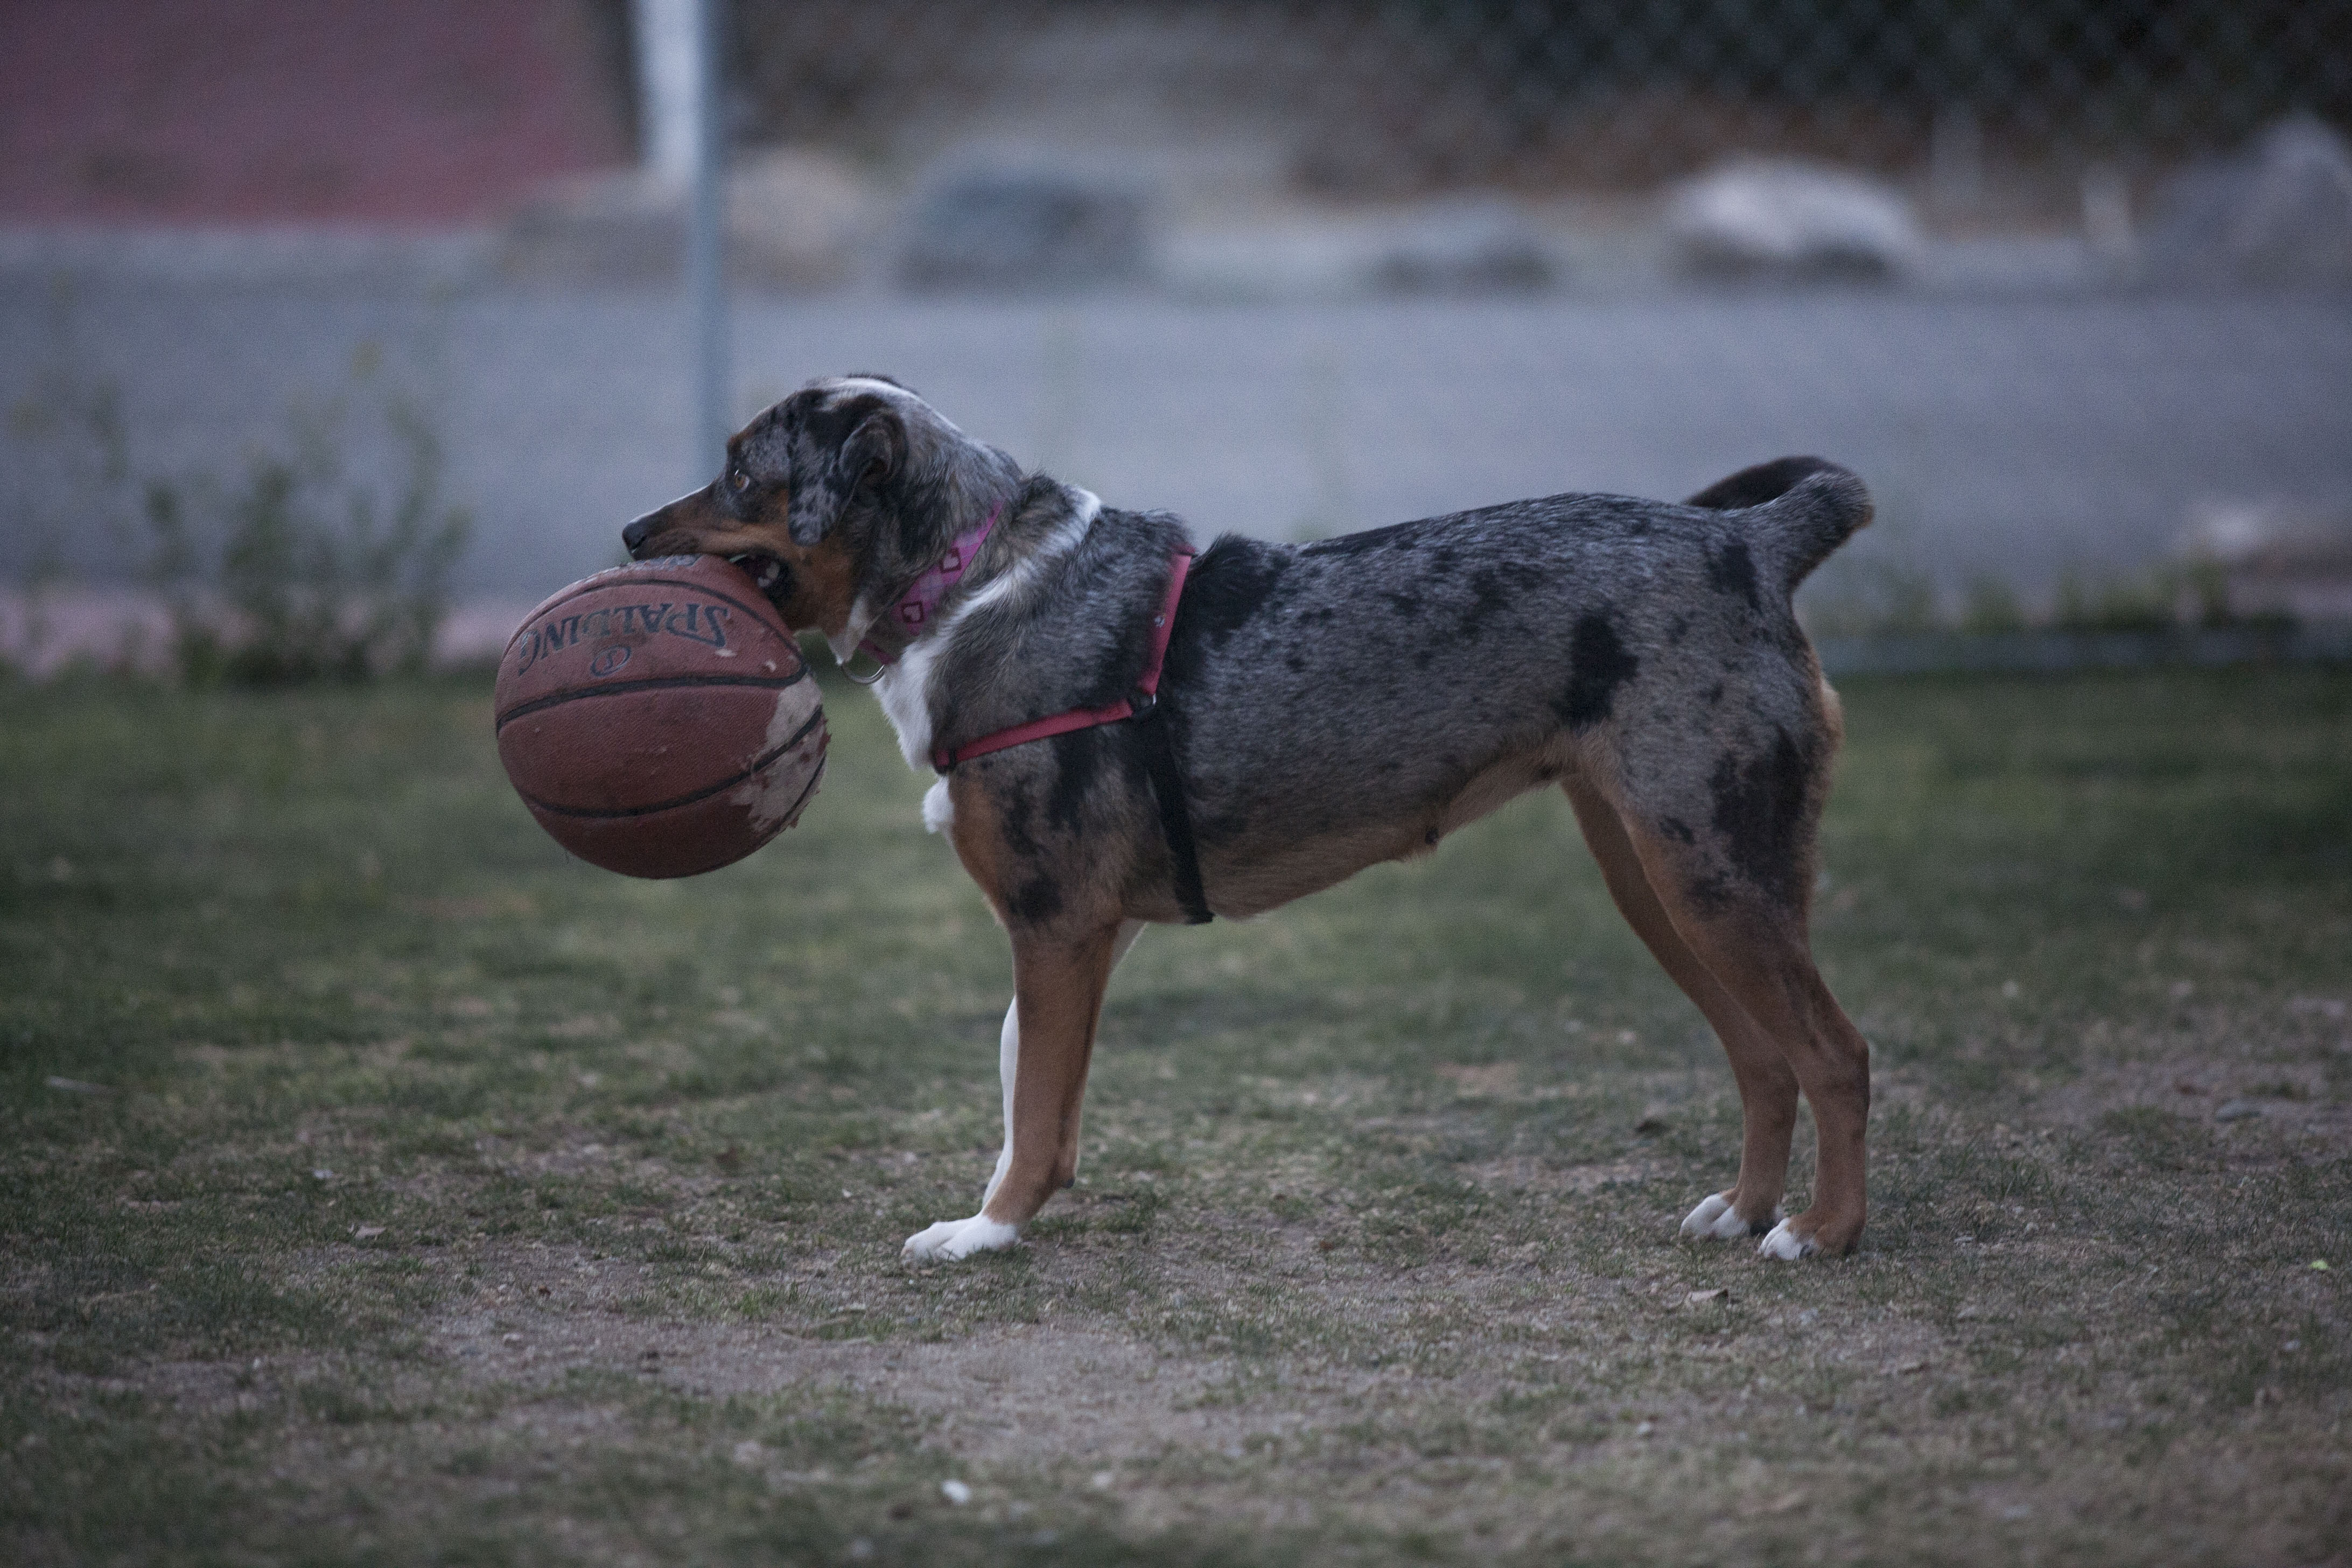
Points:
(1144, 699)
(914, 612)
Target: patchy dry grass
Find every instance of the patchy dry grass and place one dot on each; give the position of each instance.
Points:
(378, 1186)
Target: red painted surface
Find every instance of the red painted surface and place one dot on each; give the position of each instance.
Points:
(423, 111)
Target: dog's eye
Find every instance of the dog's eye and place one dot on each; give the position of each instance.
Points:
(740, 479)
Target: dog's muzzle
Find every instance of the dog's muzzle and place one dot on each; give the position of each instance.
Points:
(768, 574)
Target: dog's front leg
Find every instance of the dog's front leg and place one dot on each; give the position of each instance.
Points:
(1043, 1052)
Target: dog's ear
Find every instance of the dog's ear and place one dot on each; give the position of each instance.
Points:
(868, 457)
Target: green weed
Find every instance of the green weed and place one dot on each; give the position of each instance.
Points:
(414, 1193)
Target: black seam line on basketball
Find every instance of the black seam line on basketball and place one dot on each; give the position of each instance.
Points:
(651, 683)
(759, 762)
(807, 790)
(532, 619)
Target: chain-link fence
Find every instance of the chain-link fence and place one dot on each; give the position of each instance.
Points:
(2065, 281)
(1373, 98)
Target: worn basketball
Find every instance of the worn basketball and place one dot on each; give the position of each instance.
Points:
(658, 720)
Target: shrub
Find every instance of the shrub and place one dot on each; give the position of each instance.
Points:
(327, 557)
(313, 576)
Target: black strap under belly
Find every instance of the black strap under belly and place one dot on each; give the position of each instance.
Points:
(1175, 821)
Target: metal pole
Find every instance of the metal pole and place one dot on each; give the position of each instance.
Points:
(705, 274)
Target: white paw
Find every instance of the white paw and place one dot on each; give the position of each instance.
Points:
(1786, 1244)
(954, 1238)
(1716, 1220)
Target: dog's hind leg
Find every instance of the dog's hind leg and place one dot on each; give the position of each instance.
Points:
(1768, 1087)
(1753, 941)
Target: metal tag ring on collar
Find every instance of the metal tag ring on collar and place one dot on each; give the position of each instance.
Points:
(880, 669)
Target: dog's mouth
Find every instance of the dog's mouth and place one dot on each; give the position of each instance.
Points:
(770, 575)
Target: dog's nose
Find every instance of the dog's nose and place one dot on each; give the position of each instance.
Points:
(638, 532)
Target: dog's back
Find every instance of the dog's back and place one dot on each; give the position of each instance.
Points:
(1370, 693)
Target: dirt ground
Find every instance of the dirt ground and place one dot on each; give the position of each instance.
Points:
(383, 1187)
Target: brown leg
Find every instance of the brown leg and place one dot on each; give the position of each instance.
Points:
(1768, 1088)
(1067, 934)
(1759, 956)
(1058, 991)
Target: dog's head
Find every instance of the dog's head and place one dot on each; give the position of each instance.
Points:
(848, 486)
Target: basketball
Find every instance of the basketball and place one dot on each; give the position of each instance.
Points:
(658, 719)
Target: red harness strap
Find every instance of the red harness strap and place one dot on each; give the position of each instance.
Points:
(1158, 746)
(1147, 689)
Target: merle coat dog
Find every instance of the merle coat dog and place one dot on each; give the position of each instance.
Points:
(1323, 706)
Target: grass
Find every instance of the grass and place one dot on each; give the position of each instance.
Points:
(378, 1186)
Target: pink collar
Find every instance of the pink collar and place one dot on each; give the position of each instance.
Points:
(920, 602)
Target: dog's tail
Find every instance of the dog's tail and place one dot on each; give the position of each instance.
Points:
(1804, 508)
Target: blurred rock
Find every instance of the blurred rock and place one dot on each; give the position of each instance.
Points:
(618, 226)
(796, 219)
(2279, 212)
(273, 256)
(1776, 218)
(1471, 245)
(2273, 557)
(1468, 247)
(1024, 226)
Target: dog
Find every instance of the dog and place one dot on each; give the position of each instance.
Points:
(1263, 720)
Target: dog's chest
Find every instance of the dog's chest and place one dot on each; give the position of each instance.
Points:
(906, 696)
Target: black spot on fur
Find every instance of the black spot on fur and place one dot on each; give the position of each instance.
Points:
(1677, 629)
(1018, 837)
(1295, 663)
(1232, 581)
(1421, 660)
(1676, 828)
(1077, 764)
(1714, 695)
(1494, 591)
(1710, 893)
(1598, 664)
(1732, 569)
(1036, 900)
(1759, 815)
(1405, 604)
